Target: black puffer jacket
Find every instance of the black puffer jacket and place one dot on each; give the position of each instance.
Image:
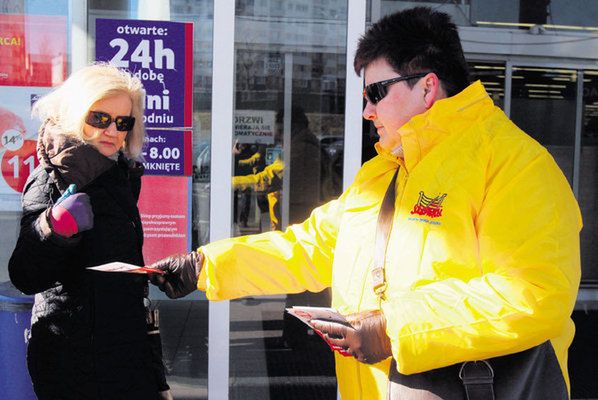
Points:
(89, 338)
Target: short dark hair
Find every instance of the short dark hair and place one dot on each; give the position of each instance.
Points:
(298, 118)
(416, 40)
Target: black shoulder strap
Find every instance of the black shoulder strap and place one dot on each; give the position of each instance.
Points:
(385, 218)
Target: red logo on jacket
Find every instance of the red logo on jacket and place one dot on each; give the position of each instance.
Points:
(430, 206)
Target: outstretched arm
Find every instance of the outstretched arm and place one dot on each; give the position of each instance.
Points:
(274, 262)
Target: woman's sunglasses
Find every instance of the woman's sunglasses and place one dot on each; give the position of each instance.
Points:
(99, 119)
(376, 91)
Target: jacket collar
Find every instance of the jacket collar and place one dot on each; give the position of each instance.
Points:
(68, 159)
(448, 116)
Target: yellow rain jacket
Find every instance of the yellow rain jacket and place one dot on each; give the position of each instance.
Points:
(483, 258)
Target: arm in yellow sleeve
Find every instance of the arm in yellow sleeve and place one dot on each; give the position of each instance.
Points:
(251, 161)
(274, 262)
(267, 180)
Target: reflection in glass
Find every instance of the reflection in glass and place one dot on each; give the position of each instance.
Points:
(522, 14)
(288, 127)
(552, 14)
(458, 10)
(543, 105)
(492, 77)
(588, 186)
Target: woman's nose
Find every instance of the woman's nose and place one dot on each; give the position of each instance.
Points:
(111, 130)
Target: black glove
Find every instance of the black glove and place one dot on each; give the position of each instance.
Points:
(364, 337)
(181, 273)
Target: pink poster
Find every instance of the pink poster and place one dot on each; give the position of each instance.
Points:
(18, 136)
(164, 205)
(32, 50)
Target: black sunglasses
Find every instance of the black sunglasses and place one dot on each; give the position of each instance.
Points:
(374, 92)
(102, 120)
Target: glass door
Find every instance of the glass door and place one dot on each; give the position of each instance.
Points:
(588, 185)
(543, 104)
(492, 76)
(288, 141)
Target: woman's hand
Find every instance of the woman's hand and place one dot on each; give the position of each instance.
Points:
(71, 215)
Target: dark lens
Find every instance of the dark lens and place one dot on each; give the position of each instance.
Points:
(98, 119)
(375, 92)
(124, 123)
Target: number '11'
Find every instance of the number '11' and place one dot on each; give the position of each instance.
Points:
(14, 161)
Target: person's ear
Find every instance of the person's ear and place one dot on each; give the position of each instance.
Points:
(431, 89)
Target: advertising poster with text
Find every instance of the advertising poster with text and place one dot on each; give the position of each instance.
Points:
(168, 152)
(33, 57)
(160, 54)
(164, 205)
(32, 50)
(18, 140)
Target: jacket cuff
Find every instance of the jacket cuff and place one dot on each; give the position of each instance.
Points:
(43, 229)
(202, 278)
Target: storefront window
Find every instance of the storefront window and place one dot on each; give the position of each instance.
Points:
(583, 350)
(289, 116)
(492, 77)
(33, 59)
(543, 105)
(552, 14)
(588, 186)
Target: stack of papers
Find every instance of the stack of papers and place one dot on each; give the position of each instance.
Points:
(308, 314)
(124, 267)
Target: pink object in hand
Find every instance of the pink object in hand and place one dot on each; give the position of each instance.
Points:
(63, 222)
(71, 214)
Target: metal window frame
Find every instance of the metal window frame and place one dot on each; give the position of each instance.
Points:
(356, 20)
(223, 73)
(77, 19)
(578, 129)
(356, 14)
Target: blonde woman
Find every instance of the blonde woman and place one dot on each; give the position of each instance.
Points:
(89, 338)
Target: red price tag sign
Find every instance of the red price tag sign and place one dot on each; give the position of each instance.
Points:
(18, 164)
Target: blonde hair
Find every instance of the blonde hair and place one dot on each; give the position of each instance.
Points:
(67, 106)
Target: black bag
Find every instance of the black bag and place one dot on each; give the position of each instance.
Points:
(532, 374)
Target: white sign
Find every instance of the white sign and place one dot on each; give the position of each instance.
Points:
(254, 126)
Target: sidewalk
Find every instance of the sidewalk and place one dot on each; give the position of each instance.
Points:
(262, 366)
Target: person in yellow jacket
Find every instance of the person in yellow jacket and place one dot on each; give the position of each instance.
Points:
(483, 254)
(268, 180)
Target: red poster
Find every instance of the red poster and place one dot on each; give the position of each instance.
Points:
(32, 50)
(18, 134)
(164, 205)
